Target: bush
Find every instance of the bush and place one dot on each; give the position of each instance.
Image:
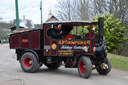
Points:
(113, 31)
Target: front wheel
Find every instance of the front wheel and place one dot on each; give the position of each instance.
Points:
(107, 70)
(29, 62)
(84, 67)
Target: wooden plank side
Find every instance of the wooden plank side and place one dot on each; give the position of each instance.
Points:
(15, 41)
(35, 40)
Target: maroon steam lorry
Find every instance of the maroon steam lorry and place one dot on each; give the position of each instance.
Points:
(38, 46)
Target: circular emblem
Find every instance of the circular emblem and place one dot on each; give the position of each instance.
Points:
(54, 46)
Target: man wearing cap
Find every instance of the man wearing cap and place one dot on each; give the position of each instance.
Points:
(56, 33)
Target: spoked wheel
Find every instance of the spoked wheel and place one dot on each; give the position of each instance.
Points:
(106, 68)
(29, 62)
(84, 67)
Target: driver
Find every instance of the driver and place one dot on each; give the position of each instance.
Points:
(56, 33)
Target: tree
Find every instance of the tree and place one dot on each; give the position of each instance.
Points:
(28, 23)
(67, 9)
(83, 9)
(127, 3)
(113, 31)
(73, 9)
(116, 7)
(14, 21)
(119, 9)
(99, 6)
(0, 18)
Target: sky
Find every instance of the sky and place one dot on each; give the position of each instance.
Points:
(28, 8)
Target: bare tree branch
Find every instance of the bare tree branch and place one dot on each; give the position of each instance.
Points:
(73, 9)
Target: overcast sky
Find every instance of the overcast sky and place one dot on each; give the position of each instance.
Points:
(28, 8)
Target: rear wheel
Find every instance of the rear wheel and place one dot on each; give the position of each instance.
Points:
(107, 70)
(29, 62)
(84, 67)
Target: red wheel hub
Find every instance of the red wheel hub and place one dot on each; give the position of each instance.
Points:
(82, 67)
(28, 62)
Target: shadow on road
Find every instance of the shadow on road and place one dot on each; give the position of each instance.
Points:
(64, 72)
(69, 72)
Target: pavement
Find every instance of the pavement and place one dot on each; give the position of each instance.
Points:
(12, 82)
(12, 74)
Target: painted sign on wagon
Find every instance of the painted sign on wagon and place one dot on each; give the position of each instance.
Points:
(67, 47)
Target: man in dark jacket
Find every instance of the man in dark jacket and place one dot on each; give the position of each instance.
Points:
(56, 33)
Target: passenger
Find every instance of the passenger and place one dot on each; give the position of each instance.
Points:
(56, 33)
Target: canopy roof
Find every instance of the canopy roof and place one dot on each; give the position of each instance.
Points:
(78, 22)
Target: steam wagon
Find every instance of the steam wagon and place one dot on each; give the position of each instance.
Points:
(85, 52)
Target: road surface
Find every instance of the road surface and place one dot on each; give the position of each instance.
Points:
(11, 73)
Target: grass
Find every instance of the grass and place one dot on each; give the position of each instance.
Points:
(119, 62)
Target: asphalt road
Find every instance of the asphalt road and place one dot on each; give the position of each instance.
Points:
(10, 71)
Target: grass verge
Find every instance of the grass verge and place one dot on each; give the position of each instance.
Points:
(119, 62)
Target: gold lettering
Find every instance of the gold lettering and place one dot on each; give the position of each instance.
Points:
(65, 42)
